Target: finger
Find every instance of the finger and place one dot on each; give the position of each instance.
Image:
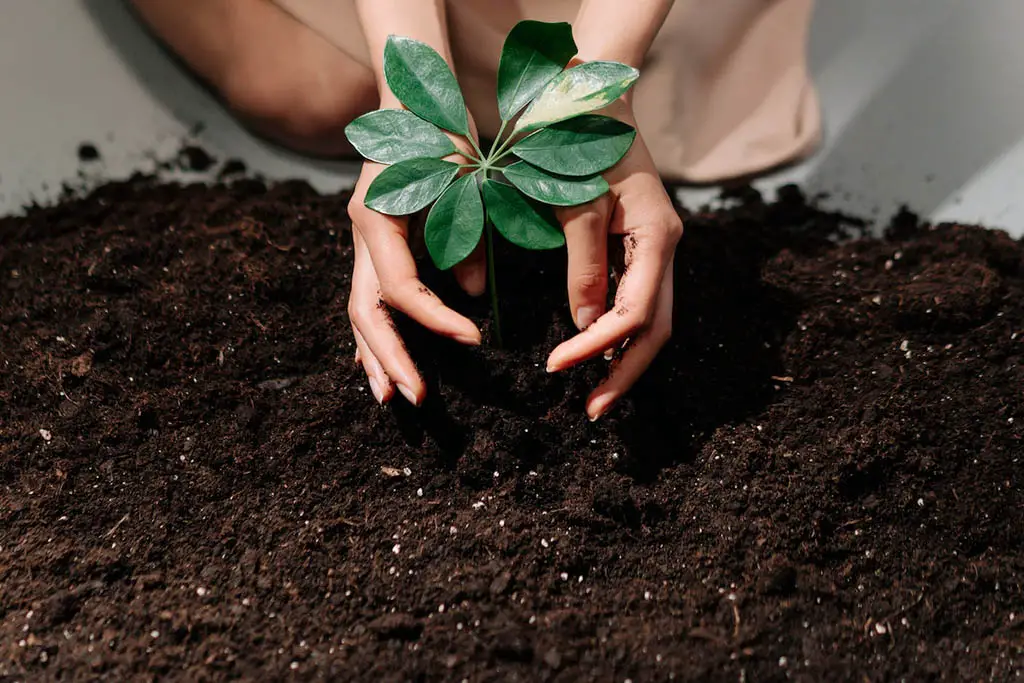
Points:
(586, 241)
(373, 323)
(471, 274)
(647, 256)
(380, 384)
(400, 287)
(641, 353)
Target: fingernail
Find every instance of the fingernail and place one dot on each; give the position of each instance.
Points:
(409, 396)
(586, 315)
(600, 407)
(467, 340)
(377, 393)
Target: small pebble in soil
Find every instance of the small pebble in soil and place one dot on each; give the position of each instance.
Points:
(88, 152)
(196, 159)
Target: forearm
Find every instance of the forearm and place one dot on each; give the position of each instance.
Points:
(618, 30)
(423, 20)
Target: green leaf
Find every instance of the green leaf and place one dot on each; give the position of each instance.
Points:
(388, 136)
(408, 186)
(523, 223)
(552, 189)
(581, 146)
(581, 89)
(534, 53)
(421, 80)
(455, 223)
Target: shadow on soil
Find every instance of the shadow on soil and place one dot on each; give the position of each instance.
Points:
(718, 368)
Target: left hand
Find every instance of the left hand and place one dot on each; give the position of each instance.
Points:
(638, 209)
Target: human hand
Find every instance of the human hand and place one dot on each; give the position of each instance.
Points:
(384, 274)
(640, 322)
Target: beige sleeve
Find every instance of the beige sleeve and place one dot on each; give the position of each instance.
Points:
(724, 93)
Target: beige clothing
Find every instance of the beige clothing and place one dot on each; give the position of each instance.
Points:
(724, 92)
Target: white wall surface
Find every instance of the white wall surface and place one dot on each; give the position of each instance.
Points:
(923, 100)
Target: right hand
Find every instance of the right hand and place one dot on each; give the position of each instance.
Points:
(384, 274)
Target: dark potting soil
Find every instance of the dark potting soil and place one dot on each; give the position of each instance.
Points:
(820, 479)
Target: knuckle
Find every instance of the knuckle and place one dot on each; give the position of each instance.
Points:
(672, 228)
(357, 210)
(590, 280)
(357, 314)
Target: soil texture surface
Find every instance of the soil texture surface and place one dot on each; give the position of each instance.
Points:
(819, 479)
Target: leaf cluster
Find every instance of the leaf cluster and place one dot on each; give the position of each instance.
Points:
(553, 155)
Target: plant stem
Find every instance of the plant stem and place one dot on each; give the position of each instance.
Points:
(497, 138)
(492, 281)
(476, 148)
(499, 157)
(501, 151)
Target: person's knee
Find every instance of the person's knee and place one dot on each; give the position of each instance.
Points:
(309, 113)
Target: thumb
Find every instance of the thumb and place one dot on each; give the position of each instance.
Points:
(586, 241)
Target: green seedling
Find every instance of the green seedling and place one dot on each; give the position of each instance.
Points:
(559, 146)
